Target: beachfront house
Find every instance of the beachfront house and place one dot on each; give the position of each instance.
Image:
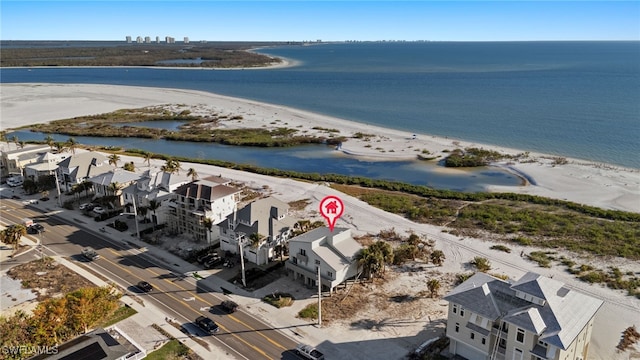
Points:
(80, 167)
(197, 207)
(46, 165)
(325, 253)
(111, 183)
(535, 318)
(14, 160)
(262, 226)
(151, 193)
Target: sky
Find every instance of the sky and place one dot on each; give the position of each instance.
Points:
(301, 20)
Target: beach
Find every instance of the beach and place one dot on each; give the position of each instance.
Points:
(581, 181)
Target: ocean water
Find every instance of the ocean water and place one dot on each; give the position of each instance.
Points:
(574, 99)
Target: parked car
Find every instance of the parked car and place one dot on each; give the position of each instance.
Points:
(207, 324)
(309, 352)
(35, 228)
(144, 286)
(229, 306)
(90, 254)
(30, 201)
(86, 206)
(99, 210)
(44, 198)
(215, 260)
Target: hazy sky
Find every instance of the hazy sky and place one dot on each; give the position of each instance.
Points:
(326, 20)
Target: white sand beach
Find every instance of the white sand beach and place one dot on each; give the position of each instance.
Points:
(579, 181)
(602, 185)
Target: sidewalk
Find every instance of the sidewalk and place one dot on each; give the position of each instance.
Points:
(285, 319)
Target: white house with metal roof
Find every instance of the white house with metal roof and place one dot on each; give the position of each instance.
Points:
(80, 167)
(332, 253)
(534, 318)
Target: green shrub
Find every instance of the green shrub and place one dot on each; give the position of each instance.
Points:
(501, 248)
(309, 312)
(482, 264)
(279, 300)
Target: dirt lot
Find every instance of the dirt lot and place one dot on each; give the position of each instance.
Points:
(47, 278)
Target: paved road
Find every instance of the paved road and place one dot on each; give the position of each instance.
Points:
(177, 295)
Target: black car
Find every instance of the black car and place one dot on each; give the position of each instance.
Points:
(145, 286)
(229, 306)
(35, 229)
(207, 324)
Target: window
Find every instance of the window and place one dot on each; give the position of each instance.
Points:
(455, 308)
(295, 260)
(473, 335)
(457, 327)
(317, 262)
(484, 341)
(330, 274)
(461, 311)
(303, 252)
(520, 336)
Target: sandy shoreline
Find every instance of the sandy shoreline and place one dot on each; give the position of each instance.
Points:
(579, 181)
(602, 185)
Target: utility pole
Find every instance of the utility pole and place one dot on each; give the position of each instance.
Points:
(135, 215)
(55, 173)
(240, 240)
(319, 299)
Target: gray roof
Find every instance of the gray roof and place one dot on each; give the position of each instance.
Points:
(337, 248)
(118, 175)
(564, 314)
(84, 165)
(207, 190)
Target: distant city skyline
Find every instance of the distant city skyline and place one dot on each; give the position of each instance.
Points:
(300, 20)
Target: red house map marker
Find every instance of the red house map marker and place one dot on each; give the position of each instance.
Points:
(331, 208)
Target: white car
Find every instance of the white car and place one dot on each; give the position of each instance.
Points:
(84, 206)
(30, 201)
(99, 210)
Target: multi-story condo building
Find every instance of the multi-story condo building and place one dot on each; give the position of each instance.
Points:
(534, 318)
(155, 186)
(199, 203)
(267, 220)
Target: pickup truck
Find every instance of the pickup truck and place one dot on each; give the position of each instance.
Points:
(90, 254)
(309, 352)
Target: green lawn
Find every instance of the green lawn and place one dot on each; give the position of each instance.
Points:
(171, 350)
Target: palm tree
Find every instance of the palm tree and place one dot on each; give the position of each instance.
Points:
(370, 260)
(114, 187)
(114, 159)
(385, 250)
(147, 158)
(172, 166)
(153, 206)
(129, 166)
(193, 173)
(437, 257)
(256, 240)
(434, 286)
(208, 224)
(12, 235)
(21, 144)
(72, 144)
(60, 146)
(49, 141)
(15, 140)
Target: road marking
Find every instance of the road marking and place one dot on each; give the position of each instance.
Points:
(197, 312)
